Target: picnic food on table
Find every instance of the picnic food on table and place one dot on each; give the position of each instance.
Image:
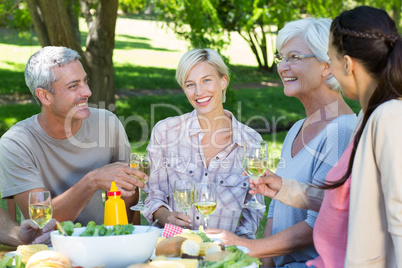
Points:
(207, 248)
(217, 256)
(98, 230)
(141, 265)
(170, 246)
(185, 263)
(231, 257)
(69, 226)
(196, 251)
(48, 258)
(185, 245)
(26, 251)
(235, 259)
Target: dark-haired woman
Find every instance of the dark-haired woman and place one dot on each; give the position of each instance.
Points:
(360, 219)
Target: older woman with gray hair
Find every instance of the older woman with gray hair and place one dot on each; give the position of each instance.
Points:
(312, 146)
(204, 145)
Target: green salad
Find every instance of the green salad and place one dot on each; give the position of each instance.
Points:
(200, 233)
(93, 229)
(236, 259)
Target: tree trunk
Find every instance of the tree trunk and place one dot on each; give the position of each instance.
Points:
(99, 54)
(263, 46)
(73, 15)
(38, 22)
(252, 46)
(59, 28)
(54, 26)
(85, 10)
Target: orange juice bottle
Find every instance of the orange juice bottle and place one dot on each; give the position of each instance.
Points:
(115, 208)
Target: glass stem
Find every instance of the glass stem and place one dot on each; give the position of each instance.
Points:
(139, 196)
(254, 198)
(206, 221)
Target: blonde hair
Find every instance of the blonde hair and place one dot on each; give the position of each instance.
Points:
(194, 56)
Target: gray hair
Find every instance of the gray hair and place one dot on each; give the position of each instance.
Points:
(38, 71)
(194, 56)
(315, 33)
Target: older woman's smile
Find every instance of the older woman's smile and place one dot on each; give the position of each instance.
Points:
(289, 79)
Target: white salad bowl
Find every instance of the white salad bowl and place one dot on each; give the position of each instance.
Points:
(111, 251)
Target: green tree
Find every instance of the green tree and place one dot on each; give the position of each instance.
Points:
(56, 24)
(13, 14)
(132, 6)
(208, 23)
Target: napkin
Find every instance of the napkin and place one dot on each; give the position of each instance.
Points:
(171, 230)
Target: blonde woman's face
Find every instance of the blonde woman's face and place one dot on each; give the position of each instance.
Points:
(204, 88)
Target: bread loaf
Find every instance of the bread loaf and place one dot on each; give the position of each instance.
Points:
(170, 247)
(48, 258)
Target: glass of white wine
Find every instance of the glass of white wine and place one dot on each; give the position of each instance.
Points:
(255, 161)
(142, 163)
(205, 199)
(40, 208)
(184, 194)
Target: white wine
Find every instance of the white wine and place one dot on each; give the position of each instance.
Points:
(134, 163)
(145, 167)
(205, 208)
(40, 214)
(137, 164)
(184, 198)
(254, 167)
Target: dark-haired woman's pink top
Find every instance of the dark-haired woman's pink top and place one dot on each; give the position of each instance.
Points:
(331, 226)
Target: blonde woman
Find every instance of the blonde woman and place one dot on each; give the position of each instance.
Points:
(204, 145)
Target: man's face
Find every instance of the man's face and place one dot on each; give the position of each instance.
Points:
(71, 93)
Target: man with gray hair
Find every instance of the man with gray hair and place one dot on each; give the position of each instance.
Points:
(69, 149)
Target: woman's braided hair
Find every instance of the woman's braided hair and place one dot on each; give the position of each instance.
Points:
(371, 37)
(389, 39)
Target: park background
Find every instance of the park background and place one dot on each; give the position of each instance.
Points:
(148, 39)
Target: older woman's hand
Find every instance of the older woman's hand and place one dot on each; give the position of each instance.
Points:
(227, 238)
(268, 184)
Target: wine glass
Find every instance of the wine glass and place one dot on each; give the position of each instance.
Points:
(255, 161)
(205, 199)
(40, 208)
(142, 163)
(184, 194)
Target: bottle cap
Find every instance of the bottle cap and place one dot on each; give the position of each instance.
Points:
(113, 190)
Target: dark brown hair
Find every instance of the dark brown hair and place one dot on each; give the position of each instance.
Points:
(371, 37)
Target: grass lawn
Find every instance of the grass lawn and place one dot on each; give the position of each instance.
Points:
(145, 57)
